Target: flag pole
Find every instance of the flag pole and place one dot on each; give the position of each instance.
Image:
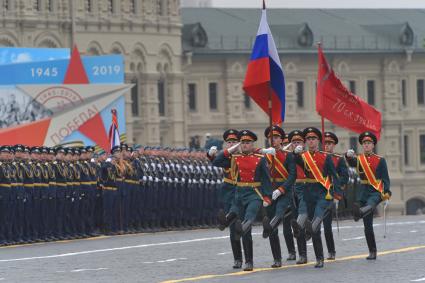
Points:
(270, 103)
(322, 119)
(271, 127)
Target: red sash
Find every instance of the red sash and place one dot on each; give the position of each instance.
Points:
(278, 166)
(376, 184)
(308, 159)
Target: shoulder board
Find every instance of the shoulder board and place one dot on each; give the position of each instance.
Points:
(258, 155)
(235, 155)
(1, 163)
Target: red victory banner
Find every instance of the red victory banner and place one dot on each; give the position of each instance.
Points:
(337, 104)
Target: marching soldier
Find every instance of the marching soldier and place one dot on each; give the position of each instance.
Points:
(331, 140)
(375, 188)
(253, 188)
(227, 193)
(296, 138)
(320, 175)
(283, 173)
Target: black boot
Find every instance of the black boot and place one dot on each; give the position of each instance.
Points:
(302, 249)
(276, 251)
(270, 226)
(356, 212)
(248, 250)
(289, 239)
(237, 264)
(225, 220)
(318, 250)
(238, 230)
(267, 228)
(330, 244)
(291, 256)
(299, 224)
(241, 228)
(366, 210)
(314, 226)
(370, 239)
(237, 253)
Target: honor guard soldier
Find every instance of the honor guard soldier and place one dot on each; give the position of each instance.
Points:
(375, 186)
(52, 190)
(296, 138)
(85, 190)
(331, 140)
(92, 193)
(283, 174)
(227, 193)
(320, 175)
(20, 193)
(28, 181)
(253, 188)
(5, 191)
(61, 170)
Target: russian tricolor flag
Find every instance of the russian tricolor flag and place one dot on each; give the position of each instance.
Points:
(265, 74)
(114, 135)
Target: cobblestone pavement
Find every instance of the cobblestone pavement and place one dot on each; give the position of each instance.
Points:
(204, 256)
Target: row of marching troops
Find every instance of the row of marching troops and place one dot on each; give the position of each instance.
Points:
(295, 183)
(66, 193)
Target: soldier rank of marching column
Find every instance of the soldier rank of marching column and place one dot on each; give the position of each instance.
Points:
(294, 183)
(58, 193)
(49, 194)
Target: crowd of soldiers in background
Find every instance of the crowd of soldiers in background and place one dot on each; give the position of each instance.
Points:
(60, 193)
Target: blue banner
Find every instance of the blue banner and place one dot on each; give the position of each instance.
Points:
(99, 69)
(13, 55)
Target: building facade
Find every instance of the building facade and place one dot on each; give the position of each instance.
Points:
(188, 66)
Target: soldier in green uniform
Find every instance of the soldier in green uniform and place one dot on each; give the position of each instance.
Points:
(227, 193)
(331, 140)
(318, 196)
(375, 187)
(283, 173)
(253, 188)
(296, 138)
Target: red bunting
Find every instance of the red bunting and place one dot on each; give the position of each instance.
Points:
(337, 104)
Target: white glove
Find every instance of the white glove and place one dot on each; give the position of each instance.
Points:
(350, 153)
(234, 148)
(276, 194)
(298, 149)
(270, 150)
(212, 151)
(265, 204)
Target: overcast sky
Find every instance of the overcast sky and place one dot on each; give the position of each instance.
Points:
(322, 3)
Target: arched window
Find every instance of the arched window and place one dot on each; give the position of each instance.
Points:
(161, 97)
(135, 97)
